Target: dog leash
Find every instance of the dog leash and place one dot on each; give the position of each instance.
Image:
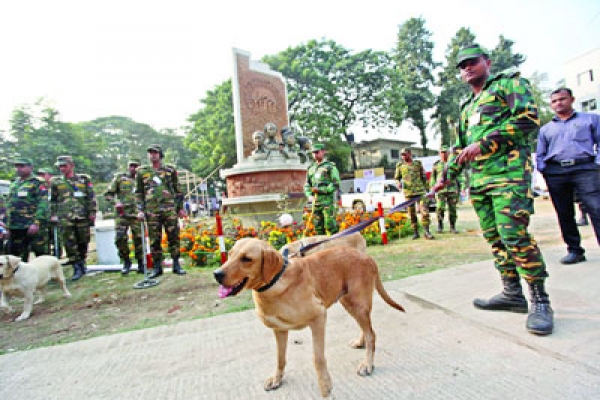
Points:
(362, 225)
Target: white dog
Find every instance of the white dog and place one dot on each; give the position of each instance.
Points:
(20, 278)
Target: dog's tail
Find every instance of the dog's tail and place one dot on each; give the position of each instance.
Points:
(385, 296)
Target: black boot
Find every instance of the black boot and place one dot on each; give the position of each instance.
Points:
(541, 317)
(156, 268)
(428, 234)
(177, 268)
(416, 233)
(140, 269)
(77, 270)
(440, 226)
(453, 228)
(126, 266)
(511, 298)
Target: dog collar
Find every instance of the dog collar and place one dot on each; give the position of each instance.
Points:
(276, 277)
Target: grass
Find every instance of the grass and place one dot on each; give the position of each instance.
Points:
(107, 303)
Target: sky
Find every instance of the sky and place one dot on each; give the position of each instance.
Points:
(153, 61)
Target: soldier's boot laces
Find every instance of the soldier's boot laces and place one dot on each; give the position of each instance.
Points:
(453, 228)
(140, 263)
(177, 267)
(440, 228)
(416, 234)
(540, 320)
(510, 299)
(77, 271)
(428, 234)
(126, 266)
(157, 267)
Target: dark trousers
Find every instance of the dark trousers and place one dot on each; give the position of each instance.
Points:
(562, 183)
(19, 243)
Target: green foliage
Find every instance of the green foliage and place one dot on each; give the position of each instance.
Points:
(212, 132)
(413, 77)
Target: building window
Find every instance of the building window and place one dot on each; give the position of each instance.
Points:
(394, 154)
(584, 77)
(589, 105)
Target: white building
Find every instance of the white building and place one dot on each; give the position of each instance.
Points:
(582, 76)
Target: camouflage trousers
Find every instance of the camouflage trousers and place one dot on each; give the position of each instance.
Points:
(504, 215)
(19, 244)
(423, 210)
(43, 243)
(123, 225)
(451, 199)
(323, 219)
(76, 238)
(156, 222)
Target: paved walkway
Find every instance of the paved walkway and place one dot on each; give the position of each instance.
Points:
(442, 348)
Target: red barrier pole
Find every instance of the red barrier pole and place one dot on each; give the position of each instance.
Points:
(384, 239)
(221, 238)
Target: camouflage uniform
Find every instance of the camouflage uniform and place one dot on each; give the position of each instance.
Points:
(448, 195)
(501, 119)
(325, 177)
(73, 201)
(122, 189)
(414, 183)
(159, 196)
(45, 241)
(27, 204)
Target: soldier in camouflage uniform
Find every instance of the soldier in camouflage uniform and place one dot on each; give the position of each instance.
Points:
(411, 178)
(160, 201)
(73, 207)
(322, 184)
(121, 191)
(26, 209)
(448, 195)
(43, 241)
(496, 122)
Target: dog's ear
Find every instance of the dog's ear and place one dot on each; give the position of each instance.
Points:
(14, 261)
(272, 262)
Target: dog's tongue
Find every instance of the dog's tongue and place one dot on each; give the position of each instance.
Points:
(224, 291)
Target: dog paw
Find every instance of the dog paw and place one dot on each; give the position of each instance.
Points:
(273, 383)
(365, 369)
(326, 388)
(21, 317)
(357, 344)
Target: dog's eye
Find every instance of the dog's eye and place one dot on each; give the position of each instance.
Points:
(246, 259)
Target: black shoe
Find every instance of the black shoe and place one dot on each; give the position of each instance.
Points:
(541, 319)
(572, 258)
(510, 299)
(157, 271)
(126, 267)
(177, 268)
(416, 235)
(78, 271)
(140, 268)
(428, 234)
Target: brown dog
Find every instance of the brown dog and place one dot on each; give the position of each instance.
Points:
(355, 240)
(298, 294)
(20, 278)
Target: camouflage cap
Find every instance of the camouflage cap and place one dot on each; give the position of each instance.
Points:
(318, 147)
(444, 149)
(405, 150)
(23, 161)
(44, 171)
(469, 52)
(63, 160)
(134, 160)
(155, 147)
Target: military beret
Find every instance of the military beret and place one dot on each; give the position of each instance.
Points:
(23, 160)
(405, 150)
(134, 160)
(155, 147)
(318, 147)
(64, 160)
(444, 148)
(469, 52)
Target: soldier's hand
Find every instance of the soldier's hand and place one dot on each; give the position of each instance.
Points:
(141, 216)
(469, 153)
(181, 213)
(33, 229)
(438, 186)
(315, 190)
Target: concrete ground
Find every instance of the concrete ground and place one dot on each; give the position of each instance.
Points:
(442, 348)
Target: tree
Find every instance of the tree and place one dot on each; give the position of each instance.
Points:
(502, 56)
(414, 64)
(212, 131)
(331, 89)
(452, 88)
